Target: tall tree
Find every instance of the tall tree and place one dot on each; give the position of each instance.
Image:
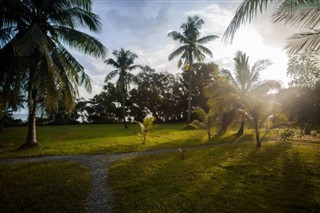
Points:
(192, 48)
(33, 34)
(304, 14)
(245, 79)
(105, 106)
(123, 63)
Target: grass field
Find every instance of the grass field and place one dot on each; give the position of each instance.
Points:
(280, 177)
(44, 187)
(79, 139)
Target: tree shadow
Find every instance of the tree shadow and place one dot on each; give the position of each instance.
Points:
(230, 178)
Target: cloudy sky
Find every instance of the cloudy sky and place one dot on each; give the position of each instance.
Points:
(141, 26)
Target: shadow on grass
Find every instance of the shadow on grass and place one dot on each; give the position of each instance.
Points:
(229, 178)
(233, 138)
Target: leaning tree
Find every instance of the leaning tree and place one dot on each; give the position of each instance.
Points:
(33, 36)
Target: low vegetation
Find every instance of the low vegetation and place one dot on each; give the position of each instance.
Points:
(146, 126)
(278, 177)
(45, 187)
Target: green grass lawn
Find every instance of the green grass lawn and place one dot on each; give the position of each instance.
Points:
(279, 177)
(108, 138)
(44, 187)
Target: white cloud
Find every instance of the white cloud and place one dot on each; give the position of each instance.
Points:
(143, 30)
(248, 39)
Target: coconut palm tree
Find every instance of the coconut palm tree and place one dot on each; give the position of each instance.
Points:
(260, 108)
(245, 80)
(192, 48)
(302, 14)
(146, 126)
(124, 64)
(33, 36)
(206, 120)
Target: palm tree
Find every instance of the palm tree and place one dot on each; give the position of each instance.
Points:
(260, 108)
(301, 14)
(146, 126)
(192, 48)
(123, 64)
(33, 34)
(245, 80)
(207, 120)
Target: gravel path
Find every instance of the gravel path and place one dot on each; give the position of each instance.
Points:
(99, 164)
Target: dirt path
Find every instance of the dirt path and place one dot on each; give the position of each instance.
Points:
(99, 164)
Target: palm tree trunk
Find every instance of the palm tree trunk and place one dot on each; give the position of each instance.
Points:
(227, 118)
(241, 129)
(257, 133)
(31, 140)
(189, 88)
(124, 102)
(189, 98)
(144, 138)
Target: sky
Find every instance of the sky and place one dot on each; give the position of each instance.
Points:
(141, 26)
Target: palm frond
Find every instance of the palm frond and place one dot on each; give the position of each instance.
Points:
(178, 52)
(81, 41)
(261, 65)
(148, 122)
(85, 80)
(266, 86)
(205, 50)
(255, 71)
(307, 41)
(198, 124)
(230, 77)
(6, 35)
(207, 39)
(33, 38)
(111, 75)
(242, 70)
(197, 56)
(112, 62)
(67, 60)
(137, 66)
(74, 16)
(142, 128)
(200, 113)
(177, 37)
(304, 14)
(245, 13)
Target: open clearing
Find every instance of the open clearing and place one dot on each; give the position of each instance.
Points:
(214, 177)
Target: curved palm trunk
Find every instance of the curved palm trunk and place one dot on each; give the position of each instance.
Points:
(124, 102)
(31, 140)
(241, 129)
